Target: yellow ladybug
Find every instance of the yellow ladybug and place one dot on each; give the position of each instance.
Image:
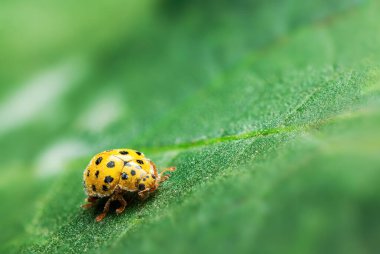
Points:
(112, 173)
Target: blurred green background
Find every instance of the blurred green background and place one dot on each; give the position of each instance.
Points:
(269, 109)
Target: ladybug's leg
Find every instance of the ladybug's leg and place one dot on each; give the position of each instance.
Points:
(123, 203)
(162, 177)
(154, 188)
(91, 201)
(144, 194)
(117, 195)
(105, 210)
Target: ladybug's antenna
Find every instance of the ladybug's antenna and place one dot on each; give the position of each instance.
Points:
(163, 177)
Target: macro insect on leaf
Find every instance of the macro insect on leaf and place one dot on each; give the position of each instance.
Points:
(112, 173)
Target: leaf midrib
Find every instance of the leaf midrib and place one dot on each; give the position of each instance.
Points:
(250, 134)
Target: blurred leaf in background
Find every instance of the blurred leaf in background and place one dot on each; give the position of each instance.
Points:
(269, 110)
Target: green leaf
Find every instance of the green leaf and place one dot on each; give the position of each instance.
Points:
(269, 111)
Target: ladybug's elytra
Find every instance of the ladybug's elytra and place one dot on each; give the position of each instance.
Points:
(112, 173)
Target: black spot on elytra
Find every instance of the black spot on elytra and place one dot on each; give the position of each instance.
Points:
(93, 188)
(141, 186)
(97, 173)
(138, 153)
(140, 162)
(105, 188)
(133, 172)
(124, 176)
(123, 152)
(98, 160)
(88, 172)
(108, 179)
(153, 176)
(110, 164)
